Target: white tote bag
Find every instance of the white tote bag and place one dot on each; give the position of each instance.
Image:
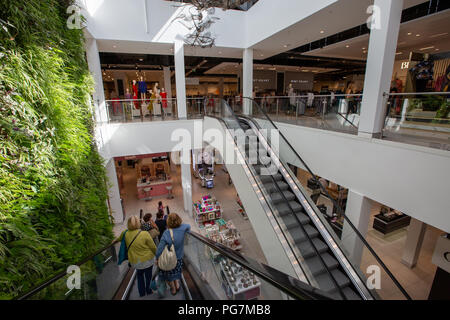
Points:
(168, 259)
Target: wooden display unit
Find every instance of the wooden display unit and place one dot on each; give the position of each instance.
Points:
(386, 225)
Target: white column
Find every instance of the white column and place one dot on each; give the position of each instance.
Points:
(186, 180)
(380, 63)
(180, 79)
(115, 205)
(168, 88)
(247, 81)
(93, 60)
(358, 212)
(414, 240)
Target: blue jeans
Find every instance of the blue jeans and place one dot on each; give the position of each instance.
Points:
(144, 285)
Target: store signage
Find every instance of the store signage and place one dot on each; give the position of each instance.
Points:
(264, 80)
(299, 80)
(405, 65)
(192, 81)
(441, 255)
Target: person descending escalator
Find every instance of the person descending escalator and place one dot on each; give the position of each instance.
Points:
(141, 253)
(174, 234)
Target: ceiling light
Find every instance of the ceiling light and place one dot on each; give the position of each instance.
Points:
(321, 31)
(285, 46)
(409, 33)
(426, 48)
(365, 51)
(436, 49)
(398, 53)
(220, 52)
(417, 35)
(439, 34)
(262, 55)
(364, 48)
(141, 59)
(114, 46)
(347, 46)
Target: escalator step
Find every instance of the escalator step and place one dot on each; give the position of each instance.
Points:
(350, 294)
(307, 250)
(327, 284)
(271, 187)
(299, 236)
(267, 178)
(284, 209)
(316, 266)
(290, 221)
(277, 197)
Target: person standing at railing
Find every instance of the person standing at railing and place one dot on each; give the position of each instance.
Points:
(141, 253)
(173, 235)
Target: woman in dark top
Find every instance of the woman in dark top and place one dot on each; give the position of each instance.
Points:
(161, 223)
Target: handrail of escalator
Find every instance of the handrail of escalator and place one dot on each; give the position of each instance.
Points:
(339, 209)
(345, 118)
(285, 283)
(61, 274)
(284, 235)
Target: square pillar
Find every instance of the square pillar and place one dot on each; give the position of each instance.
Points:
(358, 211)
(186, 180)
(180, 79)
(168, 88)
(247, 79)
(93, 60)
(114, 202)
(380, 63)
(414, 240)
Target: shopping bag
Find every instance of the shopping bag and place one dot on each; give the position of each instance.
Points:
(123, 252)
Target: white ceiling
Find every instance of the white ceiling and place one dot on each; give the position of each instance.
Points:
(429, 34)
(235, 68)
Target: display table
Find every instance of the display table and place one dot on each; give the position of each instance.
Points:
(224, 233)
(208, 209)
(387, 224)
(238, 283)
(153, 188)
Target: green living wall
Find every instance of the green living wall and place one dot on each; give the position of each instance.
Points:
(52, 181)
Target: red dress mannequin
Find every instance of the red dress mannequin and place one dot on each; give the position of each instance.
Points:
(135, 95)
(163, 95)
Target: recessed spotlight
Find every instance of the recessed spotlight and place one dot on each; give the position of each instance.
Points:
(114, 46)
(436, 49)
(321, 31)
(417, 35)
(409, 33)
(364, 48)
(141, 59)
(365, 51)
(347, 46)
(262, 55)
(220, 52)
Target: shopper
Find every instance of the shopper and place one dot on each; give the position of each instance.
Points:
(141, 253)
(160, 206)
(179, 230)
(150, 226)
(161, 223)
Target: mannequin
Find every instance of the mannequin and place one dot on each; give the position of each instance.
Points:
(142, 86)
(291, 95)
(135, 94)
(163, 95)
(150, 104)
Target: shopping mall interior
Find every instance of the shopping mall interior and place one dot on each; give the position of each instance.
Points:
(306, 144)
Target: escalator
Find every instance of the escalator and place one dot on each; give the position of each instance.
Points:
(327, 261)
(206, 276)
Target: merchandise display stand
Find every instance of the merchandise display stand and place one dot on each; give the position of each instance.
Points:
(241, 210)
(224, 233)
(238, 283)
(386, 222)
(208, 209)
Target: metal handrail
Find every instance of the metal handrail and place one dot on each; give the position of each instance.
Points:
(417, 94)
(339, 209)
(62, 273)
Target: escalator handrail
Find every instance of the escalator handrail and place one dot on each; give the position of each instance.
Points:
(272, 209)
(62, 274)
(285, 283)
(339, 209)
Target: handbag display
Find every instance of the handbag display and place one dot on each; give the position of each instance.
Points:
(123, 251)
(168, 258)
